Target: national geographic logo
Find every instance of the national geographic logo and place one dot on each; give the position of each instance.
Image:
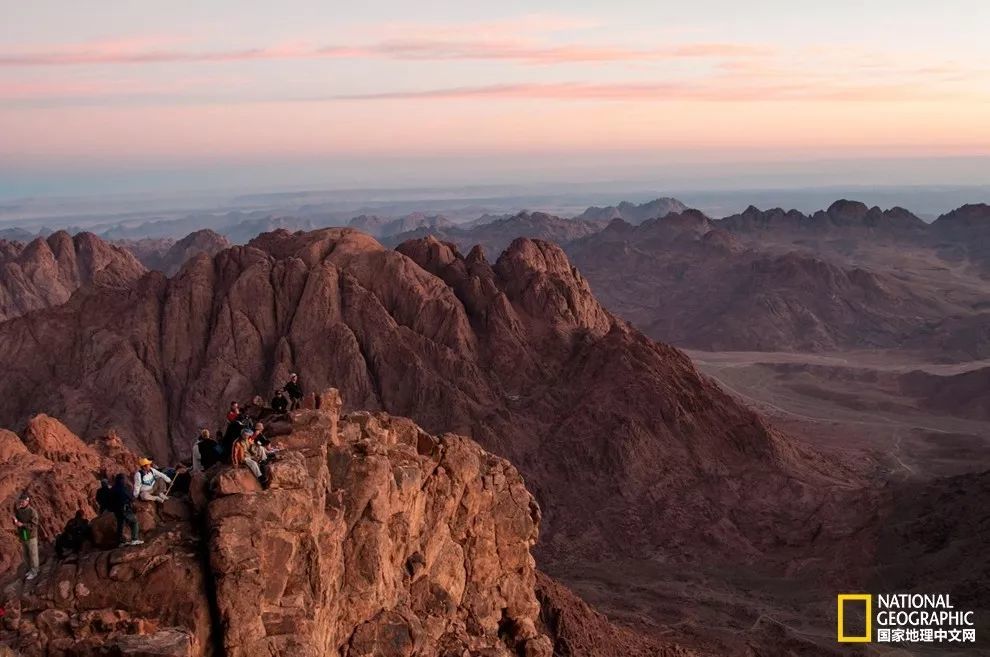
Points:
(857, 603)
(902, 618)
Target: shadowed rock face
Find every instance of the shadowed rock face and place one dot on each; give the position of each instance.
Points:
(48, 270)
(681, 280)
(619, 437)
(373, 539)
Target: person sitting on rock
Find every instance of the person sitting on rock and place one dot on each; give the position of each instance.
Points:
(149, 482)
(103, 495)
(26, 521)
(121, 503)
(270, 449)
(206, 452)
(280, 404)
(259, 434)
(294, 390)
(241, 453)
(260, 455)
(236, 422)
(77, 531)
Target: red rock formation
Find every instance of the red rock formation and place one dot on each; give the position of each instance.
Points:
(58, 470)
(621, 439)
(373, 539)
(168, 255)
(47, 271)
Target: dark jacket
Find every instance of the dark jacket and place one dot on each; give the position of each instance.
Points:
(121, 497)
(104, 497)
(294, 390)
(77, 529)
(29, 517)
(209, 453)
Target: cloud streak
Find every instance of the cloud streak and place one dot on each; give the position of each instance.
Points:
(435, 49)
(708, 90)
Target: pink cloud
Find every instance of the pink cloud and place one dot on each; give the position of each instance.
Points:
(530, 52)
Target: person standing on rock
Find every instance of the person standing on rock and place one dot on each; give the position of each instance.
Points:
(294, 390)
(121, 501)
(148, 482)
(26, 521)
(104, 496)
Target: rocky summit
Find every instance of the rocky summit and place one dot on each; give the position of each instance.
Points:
(46, 271)
(621, 440)
(373, 538)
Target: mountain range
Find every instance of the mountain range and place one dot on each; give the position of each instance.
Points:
(648, 474)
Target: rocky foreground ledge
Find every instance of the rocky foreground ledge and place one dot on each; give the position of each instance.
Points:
(373, 539)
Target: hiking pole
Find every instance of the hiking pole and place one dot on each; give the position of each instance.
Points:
(172, 483)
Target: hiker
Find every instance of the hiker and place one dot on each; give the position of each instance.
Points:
(77, 531)
(104, 497)
(206, 452)
(26, 521)
(294, 390)
(259, 435)
(279, 402)
(149, 481)
(234, 413)
(121, 503)
(236, 422)
(241, 453)
(260, 455)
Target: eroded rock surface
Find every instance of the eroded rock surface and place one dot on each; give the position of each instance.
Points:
(374, 538)
(46, 271)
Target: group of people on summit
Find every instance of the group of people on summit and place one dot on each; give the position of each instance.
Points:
(242, 442)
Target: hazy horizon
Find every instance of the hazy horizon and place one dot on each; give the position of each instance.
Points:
(137, 98)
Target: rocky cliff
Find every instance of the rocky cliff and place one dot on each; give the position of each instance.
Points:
(46, 271)
(373, 538)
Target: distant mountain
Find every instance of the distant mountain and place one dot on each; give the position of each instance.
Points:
(46, 271)
(381, 227)
(496, 235)
(242, 232)
(168, 255)
(632, 213)
(16, 234)
(707, 284)
(841, 216)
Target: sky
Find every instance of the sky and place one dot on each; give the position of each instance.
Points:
(131, 96)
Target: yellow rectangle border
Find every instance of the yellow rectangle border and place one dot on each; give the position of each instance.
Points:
(855, 597)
